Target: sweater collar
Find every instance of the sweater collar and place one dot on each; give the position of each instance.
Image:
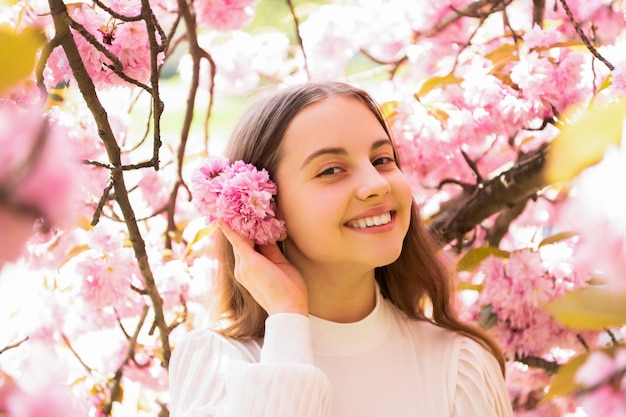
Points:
(346, 339)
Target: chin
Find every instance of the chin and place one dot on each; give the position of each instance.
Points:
(387, 257)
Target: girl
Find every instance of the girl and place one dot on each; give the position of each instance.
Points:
(350, 314)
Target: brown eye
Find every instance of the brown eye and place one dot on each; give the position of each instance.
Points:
(329, 172)
(383, 161)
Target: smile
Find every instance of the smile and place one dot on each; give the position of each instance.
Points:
(371, 221)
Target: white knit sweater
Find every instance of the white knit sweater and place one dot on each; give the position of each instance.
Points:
(383, 365)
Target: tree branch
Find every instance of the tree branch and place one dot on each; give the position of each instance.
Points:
(505, 190)
(62, 21)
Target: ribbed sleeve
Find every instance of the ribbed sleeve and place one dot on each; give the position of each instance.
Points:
(213, 376)
(480, 388)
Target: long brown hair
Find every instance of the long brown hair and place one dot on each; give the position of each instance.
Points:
(416, 279)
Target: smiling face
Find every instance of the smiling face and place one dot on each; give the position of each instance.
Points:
(345, 202)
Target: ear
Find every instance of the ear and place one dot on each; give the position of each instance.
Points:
(282, 237)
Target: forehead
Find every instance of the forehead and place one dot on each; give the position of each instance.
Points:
(336, 121)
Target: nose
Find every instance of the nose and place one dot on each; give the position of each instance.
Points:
(371, 184)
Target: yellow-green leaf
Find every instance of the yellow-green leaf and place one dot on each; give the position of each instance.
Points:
(74, 251)
(583, 142)
(504, 54)
(562, 383)
(608, 81)
(589, 308)
(18, 49)
(388, 109)
(205, 231)
(462, 286)
(474, 257)
(434, 82)
(559, 237)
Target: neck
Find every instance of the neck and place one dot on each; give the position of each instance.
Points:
(341, 297)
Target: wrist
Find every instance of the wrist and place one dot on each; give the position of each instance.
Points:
(290, 308)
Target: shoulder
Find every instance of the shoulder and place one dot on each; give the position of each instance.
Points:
(207, 343)
(479, 384)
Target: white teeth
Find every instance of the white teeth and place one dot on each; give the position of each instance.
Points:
(372, 221)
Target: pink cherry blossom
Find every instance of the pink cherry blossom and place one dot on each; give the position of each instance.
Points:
(106, 279)
(128, 41)
(225, 15)
(241, 196)
(619, 78)
(515, 291)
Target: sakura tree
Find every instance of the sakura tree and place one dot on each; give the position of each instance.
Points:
(509, 119)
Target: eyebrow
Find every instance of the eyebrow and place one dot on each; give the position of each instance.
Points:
(342, 151)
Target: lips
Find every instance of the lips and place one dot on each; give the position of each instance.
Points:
(370, 221)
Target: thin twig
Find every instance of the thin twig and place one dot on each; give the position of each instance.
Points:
(14, 345)
(584, 37)
(130, 353)
(76, 355)
(296, 23)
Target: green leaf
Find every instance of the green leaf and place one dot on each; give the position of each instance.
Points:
(488, 318)
(472, 259)
(589, 308)
(559, 237)
(582, 143)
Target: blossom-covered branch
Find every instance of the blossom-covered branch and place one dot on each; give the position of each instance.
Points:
(507, 189)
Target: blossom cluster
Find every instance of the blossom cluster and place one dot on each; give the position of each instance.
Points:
(515, 289)
(225, 15)
(127, 41)
(239, 195)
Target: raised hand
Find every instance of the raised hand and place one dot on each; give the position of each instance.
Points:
(269, 277)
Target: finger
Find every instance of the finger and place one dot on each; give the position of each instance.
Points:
(239, 242)
(273, 253)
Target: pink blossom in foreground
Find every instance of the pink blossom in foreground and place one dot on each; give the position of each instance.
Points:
(239, 195)
(596, 211)
(16, 230)
(34, 164)
(36, 393)
(605, 402)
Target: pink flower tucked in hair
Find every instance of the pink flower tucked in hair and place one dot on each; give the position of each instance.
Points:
(239, 195)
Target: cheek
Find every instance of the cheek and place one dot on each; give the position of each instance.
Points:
(403, 190)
